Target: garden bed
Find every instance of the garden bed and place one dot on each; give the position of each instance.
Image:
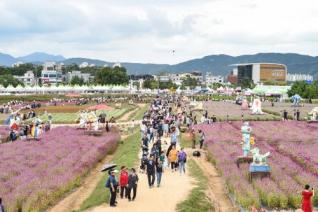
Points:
(293, 161)
(34, 175)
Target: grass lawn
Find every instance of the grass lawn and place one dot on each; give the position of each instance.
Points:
(280, 107)
(126, 154)
(70, 118)
(59, 118)
(138, 115)
(222, 110)
(197, 201)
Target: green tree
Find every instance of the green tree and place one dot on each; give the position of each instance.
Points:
(298, 87)
(304, 90)
(189, 82)
(70, 68)
(76, 80)
(247, 83)
(8, 79)
(150, 84)
(167, 85)
(107, 75)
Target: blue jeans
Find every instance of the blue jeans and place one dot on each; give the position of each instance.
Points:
(159, 174)
(181, 167)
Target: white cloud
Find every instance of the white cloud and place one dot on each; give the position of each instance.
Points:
(148, 30)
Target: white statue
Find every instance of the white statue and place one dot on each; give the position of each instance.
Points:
(257, 107)
(259, 159)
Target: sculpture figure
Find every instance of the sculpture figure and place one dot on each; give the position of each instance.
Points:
(246, 134)
(258, 158)
(257, 107)
(296, 100)
(244, 104)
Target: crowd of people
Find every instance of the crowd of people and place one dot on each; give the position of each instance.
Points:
(12, 106)
(160, 148)
(18, 126)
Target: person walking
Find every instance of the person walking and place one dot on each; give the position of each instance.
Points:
(182, 159)
(174, 136)
(151, 171)
(202, 138)
(132, 184)
(285, 115)
(1, 205)
(112, 184)
(159, 171)
(123, 182)
(297, 115)
(306, 198)
(173, 157)
(192, 137)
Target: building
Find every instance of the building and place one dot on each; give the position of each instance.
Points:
(17, 64)
(163, 78)
(117, 65)
(299, 77)
(210, 78)
(231, 78)
(85, 76)
(141, 76)
(176, 78)
(28, 78)
(83, 65)
(195, 75)
(260, 72)
(51, 73)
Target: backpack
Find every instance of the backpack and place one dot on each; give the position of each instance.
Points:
(182, 157)
(107, 185)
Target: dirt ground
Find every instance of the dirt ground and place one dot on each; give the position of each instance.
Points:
(174, 188)
(216, 190)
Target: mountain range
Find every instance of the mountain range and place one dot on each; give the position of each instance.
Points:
(217, 64)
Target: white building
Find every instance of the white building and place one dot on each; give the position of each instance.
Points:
(28, 78)
(17, 64)
(117, 65)
(51, 73)
(83, 65)
(210, 78)
(299, 77)
(176, 78)
(164, 78)
(85, 76)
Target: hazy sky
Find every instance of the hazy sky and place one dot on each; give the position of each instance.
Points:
(148, 30)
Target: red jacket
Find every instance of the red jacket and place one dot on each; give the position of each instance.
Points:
(123, 179)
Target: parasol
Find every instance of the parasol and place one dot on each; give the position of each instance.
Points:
(108, 167)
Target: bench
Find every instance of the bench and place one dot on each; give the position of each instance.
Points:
(243, 159)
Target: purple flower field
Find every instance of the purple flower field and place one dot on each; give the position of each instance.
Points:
(293, 161)
(35, 174)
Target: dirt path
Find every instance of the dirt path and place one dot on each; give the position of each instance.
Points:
(174, 188)
(74, 200)
(216, 190)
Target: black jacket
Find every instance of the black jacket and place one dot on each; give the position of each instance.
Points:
(151, 167)
(132, 180)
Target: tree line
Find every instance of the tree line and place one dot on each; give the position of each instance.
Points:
(305, 90)
(102, 75)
